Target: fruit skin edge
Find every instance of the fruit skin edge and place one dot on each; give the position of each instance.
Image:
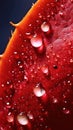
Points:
(20, 27)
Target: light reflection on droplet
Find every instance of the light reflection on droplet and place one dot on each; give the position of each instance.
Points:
(45, 70)
(39, 90)
(45, 27)
(66, 111)
(22, 119)
(10, 117)
(36, 41)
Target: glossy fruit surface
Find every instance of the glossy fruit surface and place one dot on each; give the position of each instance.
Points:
(36, 70)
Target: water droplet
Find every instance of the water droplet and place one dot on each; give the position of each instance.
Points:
(71, 1)
(25, 78)
(45, 70)
(22, 119)
(55, 100)
(66, 111)
(10, 117)
(61, 13)
(62, 6)
(45, 27)
(55, 66)
(8, 105)
(39, 91)
(71, 60)
(28, 33)
(30, 116)
(16, 55)
(36, 41)
(2, 85)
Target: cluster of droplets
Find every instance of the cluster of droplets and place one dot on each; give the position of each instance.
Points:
(37, 40)
(25, 120)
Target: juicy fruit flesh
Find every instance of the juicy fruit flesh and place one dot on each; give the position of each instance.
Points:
(36, 79)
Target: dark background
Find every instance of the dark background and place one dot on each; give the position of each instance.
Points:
(11, 10)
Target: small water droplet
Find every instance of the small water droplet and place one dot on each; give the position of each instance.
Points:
(55, 100)
(61, 13)
(2, 85)
(71, 60)
(28, 33)
(45, 70)
(39, 91)
(62, 6)
(55, 66)
(25, 78)
(22, 119)
(45, 27)
(8, 105)
(66, 111)
(36, 41)
(30, 116)
(16, 55)
(10, 117)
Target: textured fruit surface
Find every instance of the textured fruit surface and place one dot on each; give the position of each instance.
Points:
(36, 70)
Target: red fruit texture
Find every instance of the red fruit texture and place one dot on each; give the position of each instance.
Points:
(36, 70)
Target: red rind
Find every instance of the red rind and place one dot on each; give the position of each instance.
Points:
(39, 80)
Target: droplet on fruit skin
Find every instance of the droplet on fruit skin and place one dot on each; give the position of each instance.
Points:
(45, 70)
(22, 119)
(16, 55)
(39, 91)
(55, 100)
(61, 13)
(36, 41)
(45, 27)
(8, 105)
(10, 117)
(66, 111)
(30, 116)
(2, 85)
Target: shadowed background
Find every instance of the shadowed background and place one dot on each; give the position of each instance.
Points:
(11, 10)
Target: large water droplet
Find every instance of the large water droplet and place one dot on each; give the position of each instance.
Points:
(22, 119)
(36, 41)
(39, 91)
(45, 27)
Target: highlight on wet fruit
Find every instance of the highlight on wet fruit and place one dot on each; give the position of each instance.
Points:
(36, 70)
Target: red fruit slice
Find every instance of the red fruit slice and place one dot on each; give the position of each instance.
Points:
(36, 70)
